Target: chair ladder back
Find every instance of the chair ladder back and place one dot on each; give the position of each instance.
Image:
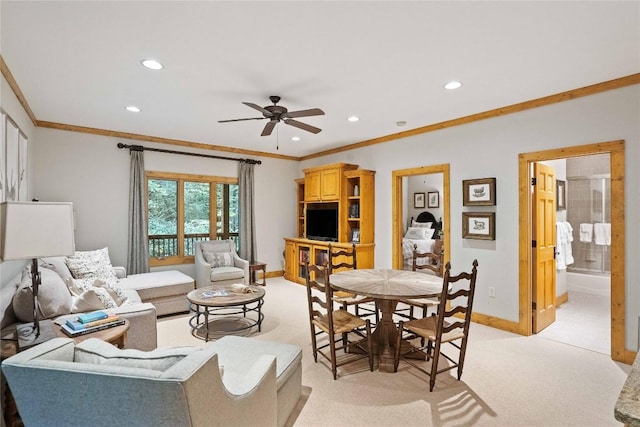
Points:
(321, 316)
(349, 259)
(433, 261)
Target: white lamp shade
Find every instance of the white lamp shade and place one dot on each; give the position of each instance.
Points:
(35, 229)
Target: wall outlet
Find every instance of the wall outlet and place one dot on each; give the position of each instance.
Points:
(492, 292)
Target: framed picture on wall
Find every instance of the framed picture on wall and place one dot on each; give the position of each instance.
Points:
(433, 199)
(479, 192)
(561, 195)
(479, 225)
(418, 200)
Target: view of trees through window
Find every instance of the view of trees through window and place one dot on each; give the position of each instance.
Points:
(172, 200)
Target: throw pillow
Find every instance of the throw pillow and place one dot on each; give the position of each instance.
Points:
(223, 259)
(90, 300)
(418, 233)
(91, 264)
(209, 256)
(54, 298)
(414, 223)
(99, 352)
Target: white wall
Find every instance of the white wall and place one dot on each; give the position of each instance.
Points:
(490, 148)
(91, 172)
(12, 107)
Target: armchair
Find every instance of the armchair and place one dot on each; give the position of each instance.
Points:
(106, 386)
(217, 263)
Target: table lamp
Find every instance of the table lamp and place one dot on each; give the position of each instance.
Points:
(30, 230)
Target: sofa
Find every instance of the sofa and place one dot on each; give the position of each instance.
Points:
(218, 264)
(139, 298)
(234, 381)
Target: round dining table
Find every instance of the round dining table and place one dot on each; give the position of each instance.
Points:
(387, 287)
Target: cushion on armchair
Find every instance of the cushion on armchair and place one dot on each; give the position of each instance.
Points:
(99, 352)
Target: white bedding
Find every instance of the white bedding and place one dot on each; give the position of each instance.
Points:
(425, 245)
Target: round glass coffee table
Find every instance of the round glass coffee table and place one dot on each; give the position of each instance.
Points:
(217, 309)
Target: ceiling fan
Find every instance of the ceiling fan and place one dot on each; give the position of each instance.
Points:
(276, 113)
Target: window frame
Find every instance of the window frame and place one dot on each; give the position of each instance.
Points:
(213, 209)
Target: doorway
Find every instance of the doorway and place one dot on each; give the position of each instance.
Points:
(582, 267)
(398, 213)
(615, 150)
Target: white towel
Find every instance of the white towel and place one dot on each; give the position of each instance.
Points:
(586, 232)
(564, 236)
(602, 233)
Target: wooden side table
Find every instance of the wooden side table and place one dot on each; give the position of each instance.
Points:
(253, 269)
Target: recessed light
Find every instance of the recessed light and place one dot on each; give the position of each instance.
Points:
(133, 109)
(353, 118)
(151, 64)
(295, 138)
(452, 85)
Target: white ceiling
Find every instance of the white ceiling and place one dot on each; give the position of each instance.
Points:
(77, 62)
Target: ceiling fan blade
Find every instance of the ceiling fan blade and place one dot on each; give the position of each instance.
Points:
(240, 120)
(259, 108)
(302, 126)
(268, 128)
(305, 113)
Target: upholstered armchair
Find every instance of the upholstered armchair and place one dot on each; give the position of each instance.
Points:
(61, 383)
(217, 263)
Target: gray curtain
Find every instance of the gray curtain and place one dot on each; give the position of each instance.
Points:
(248, 244)
(138, 247)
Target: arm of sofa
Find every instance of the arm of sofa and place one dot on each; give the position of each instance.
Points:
(247, 399)
(143, 328)
(203, 269)
(243, 264)
(120, 272)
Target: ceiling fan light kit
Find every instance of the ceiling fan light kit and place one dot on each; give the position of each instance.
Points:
(277, 113)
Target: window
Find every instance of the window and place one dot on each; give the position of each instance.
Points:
(181, 209)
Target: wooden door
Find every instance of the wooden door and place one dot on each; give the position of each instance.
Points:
(312, 186)
(544, 244)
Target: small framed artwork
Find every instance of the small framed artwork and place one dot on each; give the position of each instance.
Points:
(479, 225)
(479, 192)
(355, 235)
(433, 199)
(418, 200)
(561, 197)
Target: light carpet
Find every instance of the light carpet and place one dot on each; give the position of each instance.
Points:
(508, 379)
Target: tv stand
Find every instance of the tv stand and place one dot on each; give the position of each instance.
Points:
(297, 250)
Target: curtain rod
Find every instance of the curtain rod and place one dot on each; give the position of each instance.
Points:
(160, 150)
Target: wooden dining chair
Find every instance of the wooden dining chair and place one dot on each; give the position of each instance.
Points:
(341, 259)
(342, 330)
(449, 326)
(432, 263)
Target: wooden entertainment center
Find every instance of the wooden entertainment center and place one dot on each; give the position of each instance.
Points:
(350, 191)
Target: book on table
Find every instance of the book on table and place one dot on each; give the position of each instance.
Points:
(77, 325)
(92, 316)
(74, 328)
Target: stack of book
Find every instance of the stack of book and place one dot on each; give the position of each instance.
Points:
(86, 323)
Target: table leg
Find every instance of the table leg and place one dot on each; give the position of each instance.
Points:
(385, 335)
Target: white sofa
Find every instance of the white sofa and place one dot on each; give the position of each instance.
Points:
(232, 382)
(55, 304)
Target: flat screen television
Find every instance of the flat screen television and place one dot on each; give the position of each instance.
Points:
(322, 224)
